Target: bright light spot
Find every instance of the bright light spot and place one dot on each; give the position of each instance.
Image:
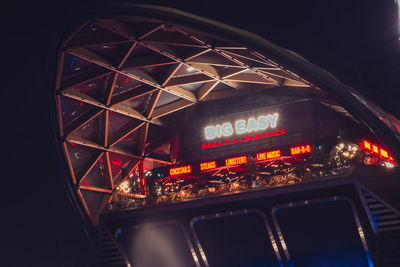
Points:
(389, 165)
(190, 69)
(125, 187)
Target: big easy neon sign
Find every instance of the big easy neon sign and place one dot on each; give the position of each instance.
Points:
(253, 127)
(241, 126)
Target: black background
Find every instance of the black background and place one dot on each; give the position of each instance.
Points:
(357, 41)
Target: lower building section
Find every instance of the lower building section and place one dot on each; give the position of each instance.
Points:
(327, 223)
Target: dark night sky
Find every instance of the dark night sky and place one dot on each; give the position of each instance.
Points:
(354, 40)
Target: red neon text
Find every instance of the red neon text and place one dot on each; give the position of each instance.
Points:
(243, 139)
(208, 165)
(268, 155)
(180, 170)
(376, 150)
(298, 150)
(236, 161)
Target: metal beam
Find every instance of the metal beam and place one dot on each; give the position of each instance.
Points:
(169, 108)
(112, 80)
(95, 189)
(132, 94)
(88, 166)
(131, 165)
(122, 109)
(148, 112)
(81, 78)
(126, 55)
(84, 142)
(108, 171)
(83, 201)
(127, 130)
(69, 164)
(143, 133)
(178, 91)
(206, 89)
(189, 79)
(97, 40)
(144, 78)
(250, 78)
(82, 120)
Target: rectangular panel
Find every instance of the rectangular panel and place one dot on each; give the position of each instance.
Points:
(165, 245)
(236, 239)
(322, 233)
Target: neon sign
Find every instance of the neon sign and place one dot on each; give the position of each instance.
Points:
(243, 139)
(376, 150)
(241, 126)
(236, 161)
(268, 155)
(208, 165)
(298, 150)
(180, 170)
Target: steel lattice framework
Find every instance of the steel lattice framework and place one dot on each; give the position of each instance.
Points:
(124, 89)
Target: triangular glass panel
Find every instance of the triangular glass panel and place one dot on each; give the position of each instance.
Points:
(245, 56)
(79, 155)
(162, 152)
(185, 70)
(94, 88)
(166, 98)
(129, 143)
(116, 123)
(96, 176)
(125, 83)
(158, 73)
(72, 109)
(117, 162)
(93, 200)
(142, 56)
(150, 164)
(91, 130)
(138, 103)
(111, 52)
(170, 35)
(140, 29)
(192, 87)
(91, 29)
(213, 58)
(73, 65)
(280, 74)
(221, 86)
(142, 75)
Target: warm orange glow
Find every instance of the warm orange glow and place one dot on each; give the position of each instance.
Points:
(298, 150)
(268, 155)
(367, 145)
(208, 165)
(180, 170)
(236, 161)
(377, 150)
(384, 153)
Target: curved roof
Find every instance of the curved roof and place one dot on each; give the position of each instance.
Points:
(128, 75)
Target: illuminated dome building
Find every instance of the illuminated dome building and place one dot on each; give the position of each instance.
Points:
(187, 142)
